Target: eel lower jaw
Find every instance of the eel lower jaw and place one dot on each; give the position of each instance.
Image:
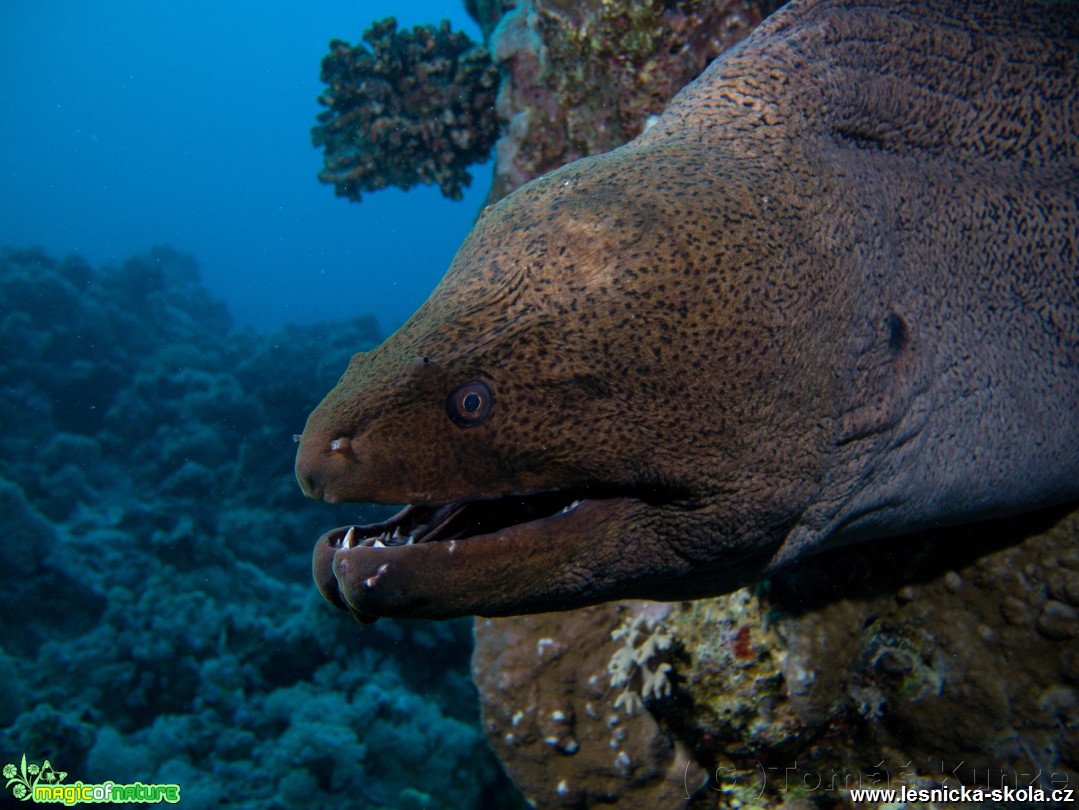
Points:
(451, 560)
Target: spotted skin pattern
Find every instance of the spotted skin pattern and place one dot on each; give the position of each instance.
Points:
(832, 295)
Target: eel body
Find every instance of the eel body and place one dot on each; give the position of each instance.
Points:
(831, 296)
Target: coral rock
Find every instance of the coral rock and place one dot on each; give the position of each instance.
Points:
(857, 667)
(583, 78)
(549, 712)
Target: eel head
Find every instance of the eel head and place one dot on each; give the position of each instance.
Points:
(553, 416)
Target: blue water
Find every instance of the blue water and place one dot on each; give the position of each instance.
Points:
(134, 123)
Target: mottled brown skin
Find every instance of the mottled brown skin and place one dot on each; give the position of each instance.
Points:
(831, 296)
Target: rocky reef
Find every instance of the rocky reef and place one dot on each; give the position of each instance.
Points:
(949, 658)
(160, 623)
(415, 107)
(582, 78)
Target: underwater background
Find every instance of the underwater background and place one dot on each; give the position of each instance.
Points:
(129, 124)
(177, 291)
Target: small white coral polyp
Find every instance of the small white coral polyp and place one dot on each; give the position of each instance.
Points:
(631, 660)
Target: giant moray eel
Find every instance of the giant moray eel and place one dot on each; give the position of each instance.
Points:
(832, 295)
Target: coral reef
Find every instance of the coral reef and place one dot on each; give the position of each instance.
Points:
(582, 78)
(576, 79)
(944, 658)
(417, 107)
(159, 619)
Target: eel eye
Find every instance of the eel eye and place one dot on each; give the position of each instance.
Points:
(469, 404)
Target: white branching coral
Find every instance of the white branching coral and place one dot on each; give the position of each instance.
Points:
(631, 665)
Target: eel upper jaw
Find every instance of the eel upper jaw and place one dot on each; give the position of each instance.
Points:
(455, 559)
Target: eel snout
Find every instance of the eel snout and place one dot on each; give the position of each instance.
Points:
(320, 461)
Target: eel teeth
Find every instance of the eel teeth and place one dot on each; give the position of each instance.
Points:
(350, 538)
(571, 507)
(387, 540)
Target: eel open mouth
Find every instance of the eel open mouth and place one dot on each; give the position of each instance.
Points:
(454, 521)
(360, 568)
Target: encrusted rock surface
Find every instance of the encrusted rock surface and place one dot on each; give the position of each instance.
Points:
(582, 78)
(949, 658)
(550, 714)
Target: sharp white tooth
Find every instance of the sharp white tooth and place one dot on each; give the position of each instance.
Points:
(397, 533)
(350, 537)
(378, 543)
(574, 505)
(411, 540)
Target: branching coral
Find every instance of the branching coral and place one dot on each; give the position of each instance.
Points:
(630, 659)
(418, 107)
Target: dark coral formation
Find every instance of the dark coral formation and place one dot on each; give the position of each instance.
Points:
(946, 658)
(159, 619)
(583, 78)
(417, 107)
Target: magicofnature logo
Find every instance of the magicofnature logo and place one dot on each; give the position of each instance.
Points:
(44, 784)
(21, 780)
